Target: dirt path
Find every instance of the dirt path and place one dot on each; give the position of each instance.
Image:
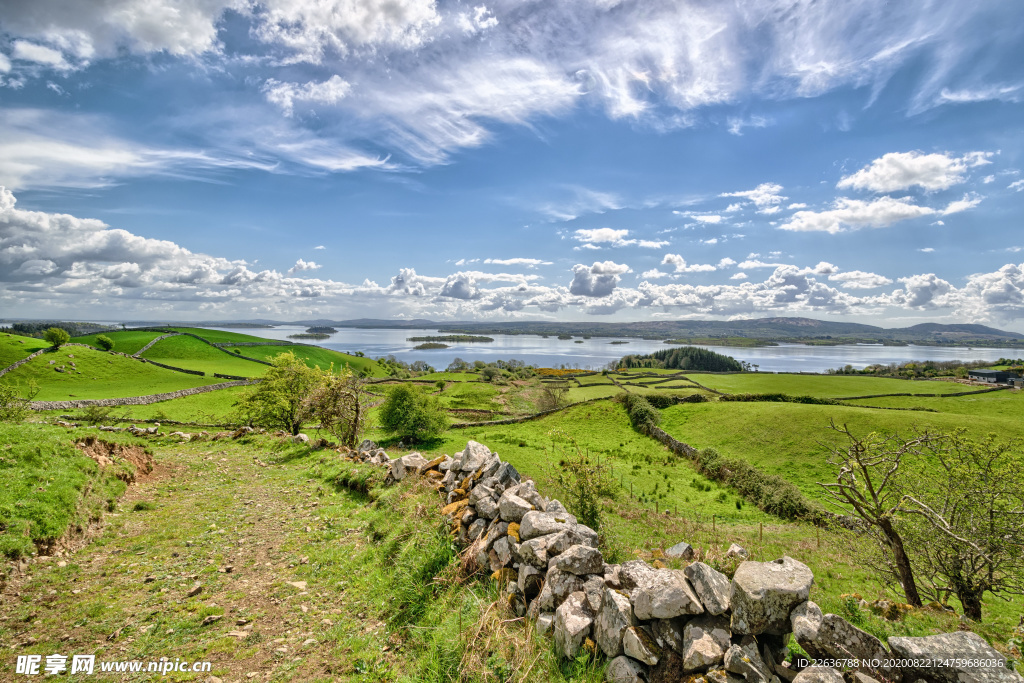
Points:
(206, 559)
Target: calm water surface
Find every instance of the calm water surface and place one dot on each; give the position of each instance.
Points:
(596, 352)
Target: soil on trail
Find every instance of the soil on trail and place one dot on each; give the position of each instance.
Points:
(205, 559)
(106, 453)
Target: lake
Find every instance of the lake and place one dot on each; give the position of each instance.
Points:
(597, 352)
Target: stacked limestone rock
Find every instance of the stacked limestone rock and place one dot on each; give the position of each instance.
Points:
(657, 624)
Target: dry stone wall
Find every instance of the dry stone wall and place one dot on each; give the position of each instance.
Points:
(137, 400)
(657, 624)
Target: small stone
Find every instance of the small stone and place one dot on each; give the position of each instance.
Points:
(536, 524)
(663, 594)
(737, 551)
(613, 618)
(764, 593)
(705, 642)
(572, 625)
(580, 560)
(638, 644)
(545, 621)
(818, 674)
(512, 508)
(711, 586)
(622, 669)
(301, 585)
(195, 590)
(680, 551)
(212, 619)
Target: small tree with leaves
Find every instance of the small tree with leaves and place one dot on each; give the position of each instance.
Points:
(104, 342)
(584, 479)
(969, 508)
(57, 337)
(553, 394)
(278, 401)
(14, 404)
(338, 404)
(867, 486)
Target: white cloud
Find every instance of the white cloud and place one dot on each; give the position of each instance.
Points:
(797, 205)
(1016, 185)
(988, 179)
(319, 247)
(712, 218)
(923, 291)
(765, 197)
(5, 64)
(904, 170)
(736, 124)
(858, 279)
(726, 262)
(959, 205)
(528, 262)
(594, 238)
(710, 240)
(927, 250)
(39, 54)
(733, 208)
(854, 214)
(598, 280)
(480, 19)
(681, 266)
(285, 95)
(314, 29)
(301, 265)
(654, 274)
(752, 263)
(739, 276)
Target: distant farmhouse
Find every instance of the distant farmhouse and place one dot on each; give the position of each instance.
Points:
(992, 376)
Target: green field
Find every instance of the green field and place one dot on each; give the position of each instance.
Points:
(314, 357)
(790, 439)
(188, 352)
(823, 386)
(218, 336)
(125, 341)
(98, 375)
(14, 348)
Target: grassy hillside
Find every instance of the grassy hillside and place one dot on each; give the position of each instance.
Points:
(218, 336)
(125, 341)
(49, 487)
(314, 356)
(192, 354)
(98, 375)
(14, 348)
(790, 439)
(824, 386)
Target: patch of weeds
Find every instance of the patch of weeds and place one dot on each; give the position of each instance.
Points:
(143, 505)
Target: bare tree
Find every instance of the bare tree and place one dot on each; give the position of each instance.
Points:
(554, 394)
(867, 485)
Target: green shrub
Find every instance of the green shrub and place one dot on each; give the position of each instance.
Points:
(57, 337)
(104, 342)
(408, 413)
(642, 415)
(584, 481)
(14, 406)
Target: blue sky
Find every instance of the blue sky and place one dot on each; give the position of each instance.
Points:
(593, 159)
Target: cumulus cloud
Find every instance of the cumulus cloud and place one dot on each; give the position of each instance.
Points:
(858, 279)
(597, 280)
(58, 264)
(904, 170)
(854, 214)
(765, 197)
(301, 265)
(595, 238)
(681, 266)
(285, 95)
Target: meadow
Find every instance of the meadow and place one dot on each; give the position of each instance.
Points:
(653, 499)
